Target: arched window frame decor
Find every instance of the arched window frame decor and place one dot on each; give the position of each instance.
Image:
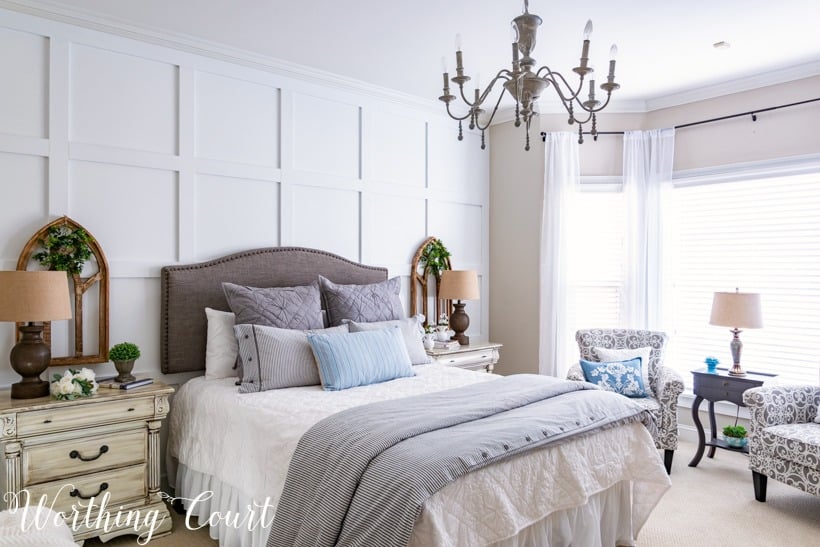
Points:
(79, 286)
(420, 275)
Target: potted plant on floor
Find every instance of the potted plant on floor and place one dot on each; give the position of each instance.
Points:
(735, 436)
(123, 355)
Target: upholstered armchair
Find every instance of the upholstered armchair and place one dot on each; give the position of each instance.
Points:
(665, 384)
(784, 440)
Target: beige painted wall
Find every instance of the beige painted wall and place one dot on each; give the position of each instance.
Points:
(516, 195)
(516, 186)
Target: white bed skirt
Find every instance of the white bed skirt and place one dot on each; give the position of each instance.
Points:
(606, 518)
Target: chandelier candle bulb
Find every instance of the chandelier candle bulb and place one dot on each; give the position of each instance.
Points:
(588, 29)
(458, 41)
(613, 55)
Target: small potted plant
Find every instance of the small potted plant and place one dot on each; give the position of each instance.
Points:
(123, 355)
(735, 436)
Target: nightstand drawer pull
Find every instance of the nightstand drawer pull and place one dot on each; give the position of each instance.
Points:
(76, 493)
(46, 421)
(74, 454)
(131, 409)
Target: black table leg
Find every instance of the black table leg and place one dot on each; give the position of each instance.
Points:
(701, 436)
(713, 425)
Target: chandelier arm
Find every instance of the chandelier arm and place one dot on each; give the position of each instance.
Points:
(575, 117)
(463, 98)
(598, 109)
(503, 74)
(467, 115)
(551, 76)
(495, 109)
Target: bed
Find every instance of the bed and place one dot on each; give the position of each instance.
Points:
(229, 453)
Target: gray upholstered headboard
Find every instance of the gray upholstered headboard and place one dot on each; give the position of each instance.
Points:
(188, 289)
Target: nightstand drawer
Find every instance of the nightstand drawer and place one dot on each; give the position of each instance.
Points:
(719, 393)
(84, 415)
(83, 455)
(121, 485)
(466, 358)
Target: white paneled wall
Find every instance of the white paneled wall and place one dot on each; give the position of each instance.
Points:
(170, 157)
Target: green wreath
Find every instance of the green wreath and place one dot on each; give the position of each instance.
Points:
(64, 250)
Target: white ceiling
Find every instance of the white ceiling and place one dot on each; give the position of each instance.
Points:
(665, 47)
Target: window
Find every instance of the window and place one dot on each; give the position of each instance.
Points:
(595, 272)
(759, 235)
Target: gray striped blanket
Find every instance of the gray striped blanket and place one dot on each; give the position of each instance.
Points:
(361, 476)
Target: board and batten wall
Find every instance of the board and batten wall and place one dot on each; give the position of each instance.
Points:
(170, 157)
(517, 185)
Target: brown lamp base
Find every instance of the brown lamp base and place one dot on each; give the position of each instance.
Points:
(30, 390)
(29, 358)
(459, 322)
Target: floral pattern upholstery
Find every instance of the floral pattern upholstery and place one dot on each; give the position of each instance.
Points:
(665, 384)
(784, 440)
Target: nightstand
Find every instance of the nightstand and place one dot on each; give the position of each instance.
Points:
(478, 355)
(719, 386)
(104, 447)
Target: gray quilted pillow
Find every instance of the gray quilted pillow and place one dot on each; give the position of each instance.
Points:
(362, 303)
(282, 307)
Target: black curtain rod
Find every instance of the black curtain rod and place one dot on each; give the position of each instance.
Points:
(752, 113)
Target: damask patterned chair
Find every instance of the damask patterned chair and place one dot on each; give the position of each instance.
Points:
(665, 384)
(784, 438)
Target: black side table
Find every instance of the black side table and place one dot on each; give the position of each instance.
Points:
(719, 386)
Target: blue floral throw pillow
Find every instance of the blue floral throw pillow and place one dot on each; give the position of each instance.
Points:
(622, 377)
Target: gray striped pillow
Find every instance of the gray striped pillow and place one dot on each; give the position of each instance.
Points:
(275, 358)
(411, 330)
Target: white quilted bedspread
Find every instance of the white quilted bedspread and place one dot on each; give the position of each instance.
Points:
(41, 527)
(248, 440)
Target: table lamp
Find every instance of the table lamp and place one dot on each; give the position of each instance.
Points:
(459, 285)
(32, 298)
(736, 309)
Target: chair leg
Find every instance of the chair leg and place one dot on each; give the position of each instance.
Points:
(667, 460)
(759, 481)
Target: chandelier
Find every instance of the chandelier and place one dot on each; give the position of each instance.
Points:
(525, 84)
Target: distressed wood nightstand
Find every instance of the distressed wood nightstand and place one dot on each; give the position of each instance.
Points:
(104, 447)
(478, 355)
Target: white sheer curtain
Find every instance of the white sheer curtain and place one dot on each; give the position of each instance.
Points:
(648, 157)
(562, 176)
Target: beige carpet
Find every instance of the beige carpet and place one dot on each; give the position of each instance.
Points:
(709, 505)
(713, 504)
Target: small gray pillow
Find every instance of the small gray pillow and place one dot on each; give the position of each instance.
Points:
(282, 307)
(363, 303)
(274, 358)
(411, 331)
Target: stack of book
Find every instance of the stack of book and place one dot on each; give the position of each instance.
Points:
(450, 344)
(111, 384)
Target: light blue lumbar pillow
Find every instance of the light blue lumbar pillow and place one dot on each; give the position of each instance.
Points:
(622, 377)
(360, 358)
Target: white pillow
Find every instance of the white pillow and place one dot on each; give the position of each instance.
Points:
(817, 419)
(411, 330)
(220, 347)
(607, 355)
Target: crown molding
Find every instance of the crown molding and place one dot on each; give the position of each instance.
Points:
(87, 19)
(738, 85)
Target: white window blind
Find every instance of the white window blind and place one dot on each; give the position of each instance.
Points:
(595, 273)
(759, 236)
